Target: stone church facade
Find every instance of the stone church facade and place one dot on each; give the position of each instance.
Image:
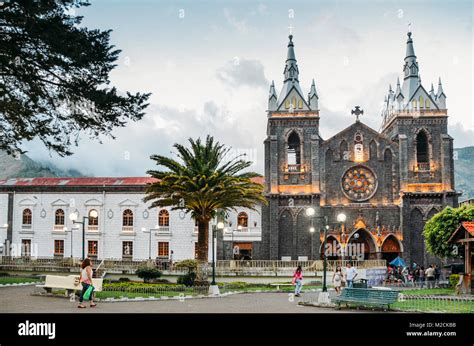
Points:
(387, 183)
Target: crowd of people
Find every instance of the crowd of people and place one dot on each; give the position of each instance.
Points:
(417, 276)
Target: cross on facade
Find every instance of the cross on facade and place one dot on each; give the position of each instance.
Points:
(357, 111)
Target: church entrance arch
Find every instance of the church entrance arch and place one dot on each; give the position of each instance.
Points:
(390, 248)
(361, 246)
(332, 249)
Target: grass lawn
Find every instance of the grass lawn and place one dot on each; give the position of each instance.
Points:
(16, 280)
(434, 306)
(432, 291)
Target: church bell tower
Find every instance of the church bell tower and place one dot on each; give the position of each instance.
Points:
(291, 166)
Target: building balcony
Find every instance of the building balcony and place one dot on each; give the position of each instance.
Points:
(245, 234)
(127, 229)
(93, 228)
(163, 230)
(58, 228)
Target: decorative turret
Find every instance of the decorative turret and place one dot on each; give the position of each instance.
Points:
(432, 93)
(313, 97)
(440, 96)
(272, 98)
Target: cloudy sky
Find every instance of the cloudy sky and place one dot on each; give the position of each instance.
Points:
(209, 64)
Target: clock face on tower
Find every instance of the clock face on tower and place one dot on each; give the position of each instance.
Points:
(359, 183)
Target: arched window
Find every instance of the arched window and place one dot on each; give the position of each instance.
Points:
(294, 152)
(287, 103)
(427, 104)
(421, 101)
(413, 104)
(27, 217)
(300, 104)
(127, 218)
(373, 150)
(344, 150)
(59, 217)
(293, 102)
(164, 218)
(242, 219)
(422, 151)
(93, 217)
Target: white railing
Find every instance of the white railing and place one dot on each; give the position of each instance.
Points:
(163, 230)
(307, 265)
(58, 227)
(93, 228)
(127, 229)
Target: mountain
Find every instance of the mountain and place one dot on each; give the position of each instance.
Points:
(24, 167)
(464, 171)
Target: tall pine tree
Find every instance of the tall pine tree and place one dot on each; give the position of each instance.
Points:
(54, 77)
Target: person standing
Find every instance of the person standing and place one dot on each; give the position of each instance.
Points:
(351, 274)
(430, 276)
(421, 277)
(86, 280)
(298, 281)
(337, 280)
(171, 260)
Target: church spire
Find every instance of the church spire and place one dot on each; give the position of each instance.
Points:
(411, 78)
(440, 88)
(291, 67)
(290, 73)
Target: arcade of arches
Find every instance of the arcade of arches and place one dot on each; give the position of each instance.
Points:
(362, 242)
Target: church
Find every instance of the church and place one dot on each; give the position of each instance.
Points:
(370, 192)
(365, 189)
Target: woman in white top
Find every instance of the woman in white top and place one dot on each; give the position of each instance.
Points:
(337, 280)
(86, 281)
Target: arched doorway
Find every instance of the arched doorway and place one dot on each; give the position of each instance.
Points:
(332, 247)
(361, 246)
(390, 248)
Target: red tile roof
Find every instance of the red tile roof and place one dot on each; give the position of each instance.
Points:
(86, 181)
(469, 226)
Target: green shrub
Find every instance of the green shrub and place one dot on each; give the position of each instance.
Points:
(124, 279)
(189, 264)
(187, 279)
(148, 273)
(453, 280)
(234, 284)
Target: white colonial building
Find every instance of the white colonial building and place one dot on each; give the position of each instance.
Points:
(35, 219)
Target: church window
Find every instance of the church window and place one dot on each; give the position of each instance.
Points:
(427, 104)
(287, 104)
(300, 104)
(242, 220)
(59, 217)
(373, 150)
(127, 218)
(413, 104)
(422, 153)
(293, 102)
(294, 151)
(27, 217)
(421, 101)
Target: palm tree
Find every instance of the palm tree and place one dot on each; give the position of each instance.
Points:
(203, 184)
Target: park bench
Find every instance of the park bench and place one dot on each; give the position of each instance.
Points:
(277, 285)
(367, 296)
(69, 283)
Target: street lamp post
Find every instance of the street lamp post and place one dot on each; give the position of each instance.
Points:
(341, 218)
(73, 217)
(149, 238)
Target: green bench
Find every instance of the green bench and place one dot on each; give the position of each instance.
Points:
(366, 296)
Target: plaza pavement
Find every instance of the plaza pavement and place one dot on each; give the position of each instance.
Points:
(20, 300)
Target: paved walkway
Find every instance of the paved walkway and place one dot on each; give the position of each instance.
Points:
(19, 299)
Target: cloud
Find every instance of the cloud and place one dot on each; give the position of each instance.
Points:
(243, 72)
(129, 154)
(463, 137)
(238, 24)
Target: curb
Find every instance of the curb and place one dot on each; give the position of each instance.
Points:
(20, 284)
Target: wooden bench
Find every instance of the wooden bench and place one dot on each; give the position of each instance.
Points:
(367, 296)
(69, 283)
